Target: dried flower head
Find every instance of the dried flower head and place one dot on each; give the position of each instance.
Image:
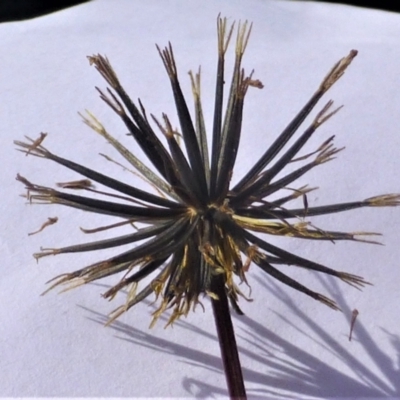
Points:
(197, 233)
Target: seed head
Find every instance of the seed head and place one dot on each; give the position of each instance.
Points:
(199, 228)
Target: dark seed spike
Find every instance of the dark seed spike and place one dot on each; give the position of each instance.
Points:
(115, 196)
(187, 128)
(378, 201)
(293, 259)
(104, 207)
(296, 194)
(147, 173)
(103, 270)
(201, 133)
(264, 213)
(163, 162)
(183, 170)
(275, 273)
(104, 67)
(267, 190)
(235, 305)
(230, 146)
(130, 124)
(142, 132)
(269, 213)
(242, 38)
(243, 236)
(273, 187)
(143, 111)
(278, 144)
(113, 103)
(286, 158)
(83, 275)
(145, 179)
(151, 248)
(193, 287)
(163, 245)
(156, 154)
(106, 227)
(110, 182)
(336, 72)
(175, 271)
(301, 231)
(306, 156)
(143, 233)
(205, 273)
(223, 42)
(329, 209)
(204, 240)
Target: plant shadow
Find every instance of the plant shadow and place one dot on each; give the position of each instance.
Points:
(299, 372)
(293, 372)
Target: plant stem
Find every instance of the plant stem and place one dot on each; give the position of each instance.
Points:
(227, 341)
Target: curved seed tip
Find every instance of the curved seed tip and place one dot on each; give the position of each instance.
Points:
(103, 65)
(327, 301)
(242, 38)
(223, 37)
(353, 280)
(97, 59)
(73, 283)
(362, 240)
(34, 148)
(63, 276)
(59, 279)
(92, 121)
(25, 181)
(327, 155)
(35, 143)
(322, 116)
(91, 59)
(45, 253)
(110, 293)
(385, 200)
(196, 84)
(353, 53)
(167, 57)
(337, 71)
(115, 314)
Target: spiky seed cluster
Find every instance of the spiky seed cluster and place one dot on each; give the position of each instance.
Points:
(198, 227)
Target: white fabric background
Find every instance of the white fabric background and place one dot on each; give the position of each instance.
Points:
(291, 346)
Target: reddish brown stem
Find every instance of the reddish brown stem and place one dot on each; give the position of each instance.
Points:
(227, 341)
